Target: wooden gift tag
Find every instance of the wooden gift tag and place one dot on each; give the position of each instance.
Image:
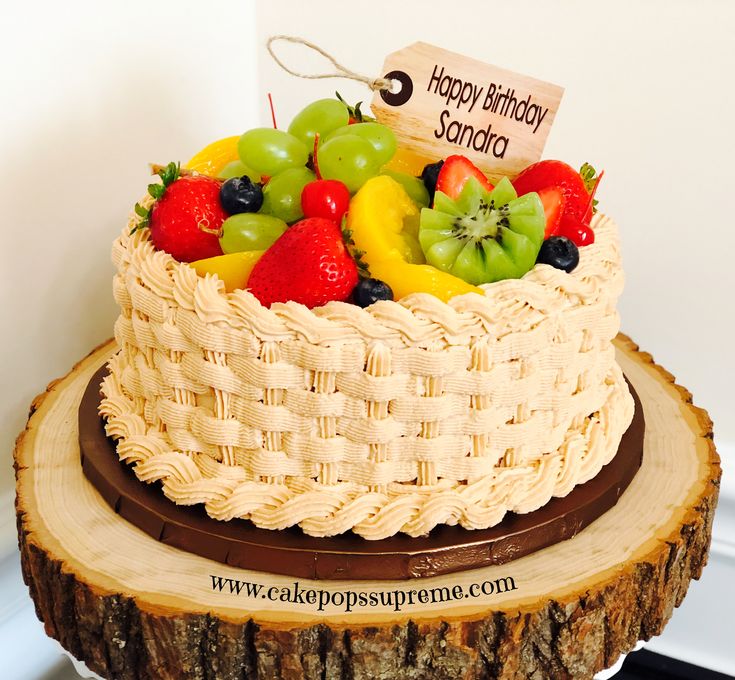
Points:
(447, 104)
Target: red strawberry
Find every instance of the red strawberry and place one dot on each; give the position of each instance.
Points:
(556, 174)
(577, 213)
(309, 264)
(552, 198)
(455, 172)
(187, 218)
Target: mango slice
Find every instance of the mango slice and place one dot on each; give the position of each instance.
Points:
(383, 221)
(215, 156)
(233, 269)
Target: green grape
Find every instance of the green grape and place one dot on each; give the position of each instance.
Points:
(414, 187)
(269, 151)
(250, 231)
(238, 169)
(350, 159)
(282, 194)
(321, 116)
(380, 136)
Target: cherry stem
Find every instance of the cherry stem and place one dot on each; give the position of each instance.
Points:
(588, 210)
(273, 111)
(314, 155)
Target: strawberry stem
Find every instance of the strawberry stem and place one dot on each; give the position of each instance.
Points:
(314, 156)
(273, 111)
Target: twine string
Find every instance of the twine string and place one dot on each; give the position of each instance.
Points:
(341, 72)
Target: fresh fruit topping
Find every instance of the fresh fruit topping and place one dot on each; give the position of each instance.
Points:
(319, 117)
(250, 231)
(282, 193)
(233, 269)
(327, 198)
(187, 217)
(309, 264)
(380, 137)
(577, 232)
(270, 151)
(214, 157)
(238, 169)
(408, 161)
(429, 176)
(483, 236)
(349, 158)
(382, 222)
(455, 172)
(368, 291)
(552, 198)
(240, 195)
(414, 187)
(551, 173)
(559, 252)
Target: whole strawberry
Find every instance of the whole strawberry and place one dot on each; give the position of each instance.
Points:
(186, 219)
(309, 263)
(577, 201)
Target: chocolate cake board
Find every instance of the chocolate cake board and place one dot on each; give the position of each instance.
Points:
(130, 606)
(292, 553)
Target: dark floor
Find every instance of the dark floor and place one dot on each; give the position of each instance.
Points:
(645, 665)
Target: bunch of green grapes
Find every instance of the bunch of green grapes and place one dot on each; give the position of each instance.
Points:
(348, 151)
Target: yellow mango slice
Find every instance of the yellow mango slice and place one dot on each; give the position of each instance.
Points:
(382, 219)
(376, 219)
(213, 157)
(408, 161)
(405, 278)
(233, 269)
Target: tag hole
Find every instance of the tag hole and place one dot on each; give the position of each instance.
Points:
(401, 88)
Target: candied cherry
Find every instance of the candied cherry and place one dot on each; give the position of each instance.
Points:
(327, 198)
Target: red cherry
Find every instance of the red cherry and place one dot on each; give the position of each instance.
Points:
(579, 234)
(327, 198)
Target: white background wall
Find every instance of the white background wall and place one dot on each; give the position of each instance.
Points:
(90, 92)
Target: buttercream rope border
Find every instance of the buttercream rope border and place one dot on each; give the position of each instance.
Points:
(329, 510)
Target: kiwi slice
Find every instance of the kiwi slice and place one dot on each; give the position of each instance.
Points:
(483, 236)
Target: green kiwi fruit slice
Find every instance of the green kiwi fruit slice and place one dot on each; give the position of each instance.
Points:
(483, 236)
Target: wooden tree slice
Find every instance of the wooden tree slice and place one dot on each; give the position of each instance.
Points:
(133, 607)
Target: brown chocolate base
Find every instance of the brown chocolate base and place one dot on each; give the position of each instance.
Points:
(291, 552)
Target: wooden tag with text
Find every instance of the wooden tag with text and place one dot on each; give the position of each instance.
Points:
(450, 104)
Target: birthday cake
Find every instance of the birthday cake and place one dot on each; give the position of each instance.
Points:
(321, 329)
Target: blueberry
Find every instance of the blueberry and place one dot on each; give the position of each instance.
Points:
(240, 195)
(429, 175)
(368, 291)
(559, 252)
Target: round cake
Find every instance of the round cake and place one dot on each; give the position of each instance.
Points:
(468, 396)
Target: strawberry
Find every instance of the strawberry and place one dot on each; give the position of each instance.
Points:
(455, 171)
(309, 263)
(576, 189)
(187, 218)
(552, 198)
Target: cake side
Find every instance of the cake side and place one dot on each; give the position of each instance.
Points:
(398, 417)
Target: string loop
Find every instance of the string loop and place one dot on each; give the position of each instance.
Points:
(341, 72)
